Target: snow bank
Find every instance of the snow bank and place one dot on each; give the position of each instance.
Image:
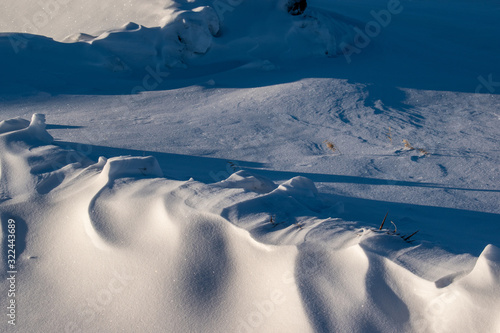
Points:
(113, 246)
(183, 31)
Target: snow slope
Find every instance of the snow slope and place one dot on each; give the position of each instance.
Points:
(182, 181)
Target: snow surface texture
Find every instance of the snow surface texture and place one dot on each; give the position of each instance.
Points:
(187, 184)
(132, 251)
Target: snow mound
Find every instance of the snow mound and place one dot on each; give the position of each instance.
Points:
(300, 186)
(181, 35)
(37, 128)
(13, 125)
(249, 31)
(250, 182)
(486, 272)
(240, 255)
(128, 166)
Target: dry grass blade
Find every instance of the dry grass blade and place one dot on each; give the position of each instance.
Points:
(272, 221)
(423, 151)
(382, 224)
(233, 166)
(299, 225)
(330, 145)
(395, 227)
(408, 145)
(389, 135)
(408, 237)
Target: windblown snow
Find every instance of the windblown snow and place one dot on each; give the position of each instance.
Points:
(115, 246)
(226, 166)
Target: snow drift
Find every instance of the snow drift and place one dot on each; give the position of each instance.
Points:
(181, 31)
(287, 239)
(113, 246)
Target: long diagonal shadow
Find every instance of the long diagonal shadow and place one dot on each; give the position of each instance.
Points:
(329, 178)
(174, 166)
(210, 169)
(434, 221)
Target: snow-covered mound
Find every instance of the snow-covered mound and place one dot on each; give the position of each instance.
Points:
(59, 19)
(242, 30)
(135, 46)
(113, 246)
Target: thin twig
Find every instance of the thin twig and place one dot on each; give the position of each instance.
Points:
(407, 238)
(382, 224)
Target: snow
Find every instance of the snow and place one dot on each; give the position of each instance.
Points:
(175, 176)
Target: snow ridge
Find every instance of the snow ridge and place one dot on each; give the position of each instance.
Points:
(209, 257)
